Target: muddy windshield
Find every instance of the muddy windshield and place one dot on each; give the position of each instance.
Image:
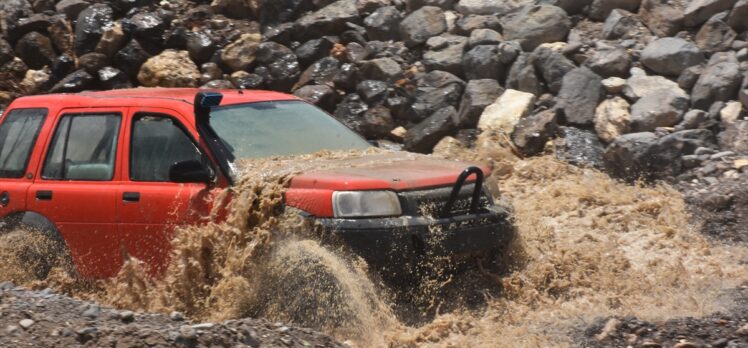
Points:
(280, 128)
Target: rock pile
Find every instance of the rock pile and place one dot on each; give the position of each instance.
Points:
(641, 84)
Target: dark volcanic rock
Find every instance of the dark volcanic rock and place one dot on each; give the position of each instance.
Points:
(699, 11)
(328, 20)
(445, 53)
(627, 155)
(384, 69)
(735, 137)
(113, 78)
(552, 66)
(145, 26)
(35, 50)
(422, 24)
(351, 111)
(719, 82)
(522, 76)
(466, 24)
(245, 80)
(610, 62)
(383, 24)
(477, 95)
(580, 92)
(313, 50)
(89, 26)
(372, 91)
(532, 132)
(738, 15)
(92, 62)
(601, 9)
(426, 134)
(200, 46)
(579, 147)
(689, 76)
(715, 35)
(670, 56)
(536, 25)
(6, 52)
(320, 95)
(620, 24)
(75, 82)
(664, 18)
(71, 8)
(321, 72)
(430, 99)
(130, 58)
(483, 62)
(377, 123)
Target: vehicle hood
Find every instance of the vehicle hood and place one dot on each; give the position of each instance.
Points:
(399, 171)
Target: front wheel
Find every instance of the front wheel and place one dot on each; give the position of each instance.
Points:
(29, 254)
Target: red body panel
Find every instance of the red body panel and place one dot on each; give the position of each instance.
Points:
(100, 227)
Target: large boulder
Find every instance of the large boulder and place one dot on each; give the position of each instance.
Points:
(383, 24)
(320, 95)
(612, 119)
(506, 111)
(171, 68)
(580, 93)
(90, 24)
(699, 11)
(715, 35)
(445, 53)
(426, 134)
(422, 24)
(240, 54)
(670, 56)
(532, 132)
(35, 50)
(537, 24)
(477, 96)
(719, 82)
(483, 62)
(552, 65)
(429, 99)
(628, 155)
(328, 20)
(661, 108)
(130, 58)
(601, 9)
(663, 18)
(522, 76)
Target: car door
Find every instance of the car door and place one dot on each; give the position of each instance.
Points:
(150, 205)
(19, 132)
(77, 184)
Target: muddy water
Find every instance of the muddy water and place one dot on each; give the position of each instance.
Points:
(588, 246)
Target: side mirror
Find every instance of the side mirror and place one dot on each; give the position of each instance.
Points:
(189, 171)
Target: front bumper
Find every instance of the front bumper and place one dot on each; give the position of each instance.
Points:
(402, 239)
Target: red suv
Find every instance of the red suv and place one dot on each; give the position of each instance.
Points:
(109, 172)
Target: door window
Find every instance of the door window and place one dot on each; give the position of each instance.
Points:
(157, 143)
(84, 147)
(18, 134)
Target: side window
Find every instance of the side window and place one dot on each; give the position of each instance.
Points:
(84, 147)
(18, 134)
(157, 143)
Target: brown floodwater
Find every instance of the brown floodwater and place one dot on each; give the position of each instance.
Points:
(587, 246)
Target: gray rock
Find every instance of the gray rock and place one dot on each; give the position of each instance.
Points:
(26, 323)
(535, 25)
(77, 81)
(127, 316)
(699, 11)
(351, 111)
(670, 56)
(688, 77)
(322, 96)
(735, 137)
(743, 95)
(328, 20)
(92, 311)
(377, 123)
(719, 82)
(610, 62)
(522, 76)
(639, 84)
(383, 24)
(113, 78)
(664, 18)
(552, 66)
(6, 52)
(738, 15)
(321, 72)
(477, 96)
(532, 132)
(438, 79)
(715, 35)
(620, 24)
(426, 134)
(90, 25)
(579, 147)
(660, 108)
(384, 69)
(696, 119)
(313, 50)
(666, 156)
(468, 23)
(571, 7)
(430, 99)
(21, 7)
(71, 8)
(446, 56)
(200, 46)
(443, 4)
(488, 7)
(628, 155)
(580, 92)
(422, 24)
(601, 9)
(484, 37)
(145, 25)
(483, 62)
(372, 91)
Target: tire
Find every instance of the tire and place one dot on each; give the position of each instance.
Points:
(30, 253)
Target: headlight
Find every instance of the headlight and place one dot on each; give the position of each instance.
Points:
(365, 203)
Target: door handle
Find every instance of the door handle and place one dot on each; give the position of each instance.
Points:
(4, 198)
(44, 195)
(131, 196)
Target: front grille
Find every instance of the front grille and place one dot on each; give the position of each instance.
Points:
(431, 202)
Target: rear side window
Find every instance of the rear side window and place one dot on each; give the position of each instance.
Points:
(84, 147)
(157, 143)
(18, 134)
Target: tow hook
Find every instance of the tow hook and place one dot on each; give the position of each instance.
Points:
(458, 187)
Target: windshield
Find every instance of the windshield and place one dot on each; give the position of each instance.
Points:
(280, 128)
